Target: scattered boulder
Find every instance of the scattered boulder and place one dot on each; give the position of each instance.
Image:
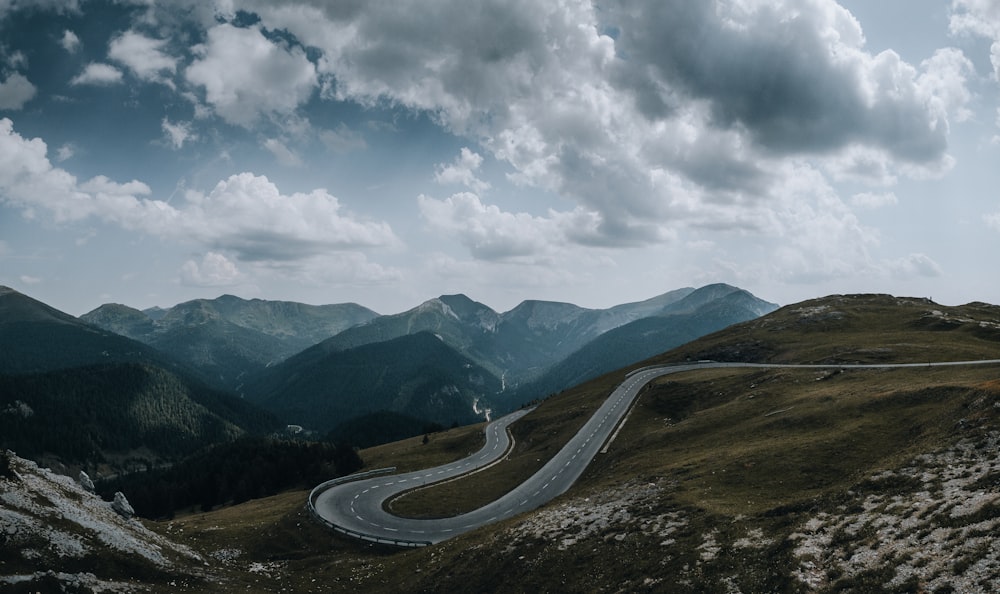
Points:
(85, 482)
(121, 506)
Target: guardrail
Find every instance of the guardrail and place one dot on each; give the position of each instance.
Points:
(320, 488)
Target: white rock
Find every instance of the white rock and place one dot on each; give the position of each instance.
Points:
(85, 482)
(122, 506)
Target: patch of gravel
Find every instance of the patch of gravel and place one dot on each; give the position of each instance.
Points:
(612, 516)
(709, 548)
(754, 539)
(938, 535)
(69, 582)
(227, 555)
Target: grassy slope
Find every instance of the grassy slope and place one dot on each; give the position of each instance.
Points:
(709, 485)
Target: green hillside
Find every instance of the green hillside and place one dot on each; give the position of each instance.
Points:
(417, 375)
(119, 414)
(72, 393)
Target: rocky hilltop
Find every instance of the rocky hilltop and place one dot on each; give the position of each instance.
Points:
(55, 535)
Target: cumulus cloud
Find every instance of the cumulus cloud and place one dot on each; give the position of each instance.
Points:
(28, 180)
(246, 76)
(65, 152)
(694, 119)
(214, 270)
(915, 265)
(99, 74)
(15, 91)
(177, 133)
(793, 74)
(248, 215)
(692, 113)
(144, 57)
(245, 215)
(463, 171)
(69, 41)
(980, 18)
(488, 232)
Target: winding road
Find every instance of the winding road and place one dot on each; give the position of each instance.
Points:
(356, 507)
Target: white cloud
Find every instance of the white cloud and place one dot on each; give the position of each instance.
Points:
(144, 56)
(488, 232)
(980, 18)
(693, 110)
(177, 133)
(214, 270)
(16, 91)
(99, 74)
(915, 265)
(246, 76)
(245, 215)
(871, 200)
(65, 152)
(282, 153)
(29, 280)
(463, 171)
(863, 164)
(942, 85)
(28, 181)
(16, 60)
(70, 42)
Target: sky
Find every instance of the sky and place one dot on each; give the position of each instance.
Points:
(387, 152)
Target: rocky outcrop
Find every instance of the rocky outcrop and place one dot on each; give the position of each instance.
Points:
(122, 507)
(85, 482)
(51, 529)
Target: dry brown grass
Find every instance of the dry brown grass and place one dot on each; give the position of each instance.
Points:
(413, 454)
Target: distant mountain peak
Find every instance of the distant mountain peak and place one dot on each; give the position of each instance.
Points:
(463, 305)
(457, 298)
(544, 314)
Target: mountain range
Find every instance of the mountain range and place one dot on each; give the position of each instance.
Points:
(449, 361)
(228, 337)
(762, 479)
(473, 357)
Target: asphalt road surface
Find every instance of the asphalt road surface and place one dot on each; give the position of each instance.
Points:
(356, 507)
